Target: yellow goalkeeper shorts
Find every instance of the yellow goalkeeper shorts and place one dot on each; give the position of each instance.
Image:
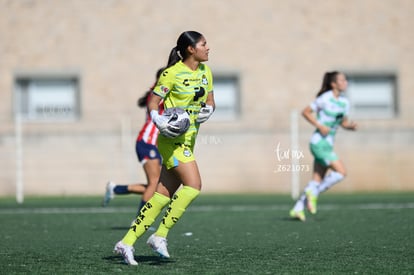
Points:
(174, 153)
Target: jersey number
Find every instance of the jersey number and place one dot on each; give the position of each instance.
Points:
(199, 92)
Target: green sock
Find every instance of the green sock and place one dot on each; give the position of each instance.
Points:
(181, 200)
(145, 218)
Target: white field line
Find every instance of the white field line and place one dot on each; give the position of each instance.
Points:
(210, 208)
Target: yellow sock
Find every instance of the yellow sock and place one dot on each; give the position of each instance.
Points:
(145, 218)
(181, 200)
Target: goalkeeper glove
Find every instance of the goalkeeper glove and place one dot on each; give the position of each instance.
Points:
(205, 112)
(163, 126)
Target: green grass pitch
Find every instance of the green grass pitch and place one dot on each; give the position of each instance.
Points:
(219, 234)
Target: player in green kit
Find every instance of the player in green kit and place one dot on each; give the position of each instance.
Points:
(185, 83)
(331, 109)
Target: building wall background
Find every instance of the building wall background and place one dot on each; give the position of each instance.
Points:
(279, 48)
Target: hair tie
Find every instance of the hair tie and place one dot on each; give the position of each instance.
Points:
(179, 54)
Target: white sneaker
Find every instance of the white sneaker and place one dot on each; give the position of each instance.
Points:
(109, 193)
(126, 251)
(159, 245)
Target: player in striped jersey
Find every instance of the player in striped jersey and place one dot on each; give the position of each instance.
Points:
(186, 83)
(148, 155)
(331, 109)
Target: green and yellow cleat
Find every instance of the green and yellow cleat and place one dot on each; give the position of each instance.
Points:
(300, 215)
(312, 202)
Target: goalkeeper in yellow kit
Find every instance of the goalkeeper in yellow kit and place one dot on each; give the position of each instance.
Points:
(186, 83)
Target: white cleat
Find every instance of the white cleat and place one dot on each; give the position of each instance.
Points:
(159, 245)
(109, 193)
(126, 251)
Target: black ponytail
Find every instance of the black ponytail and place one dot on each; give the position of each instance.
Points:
(174, 57)
(328, 78)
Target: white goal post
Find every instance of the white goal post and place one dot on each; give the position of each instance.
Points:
(19, 158)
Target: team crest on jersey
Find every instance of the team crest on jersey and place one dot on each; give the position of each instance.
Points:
(204, 80)
(152, 154)
(164, 89)
(187, 153)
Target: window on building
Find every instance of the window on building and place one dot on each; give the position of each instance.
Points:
(372, 96)
(227, 97)
(47, 98)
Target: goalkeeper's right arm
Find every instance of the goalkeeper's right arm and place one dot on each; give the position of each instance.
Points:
(159, 120)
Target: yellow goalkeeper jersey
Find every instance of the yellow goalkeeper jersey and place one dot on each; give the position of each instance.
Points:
(182, 87)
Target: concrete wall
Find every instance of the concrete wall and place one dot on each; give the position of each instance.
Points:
(279, 48)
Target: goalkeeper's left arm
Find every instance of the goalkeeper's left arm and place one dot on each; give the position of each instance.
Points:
(207, 108)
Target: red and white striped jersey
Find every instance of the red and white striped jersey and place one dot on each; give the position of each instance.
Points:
(149, 132)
